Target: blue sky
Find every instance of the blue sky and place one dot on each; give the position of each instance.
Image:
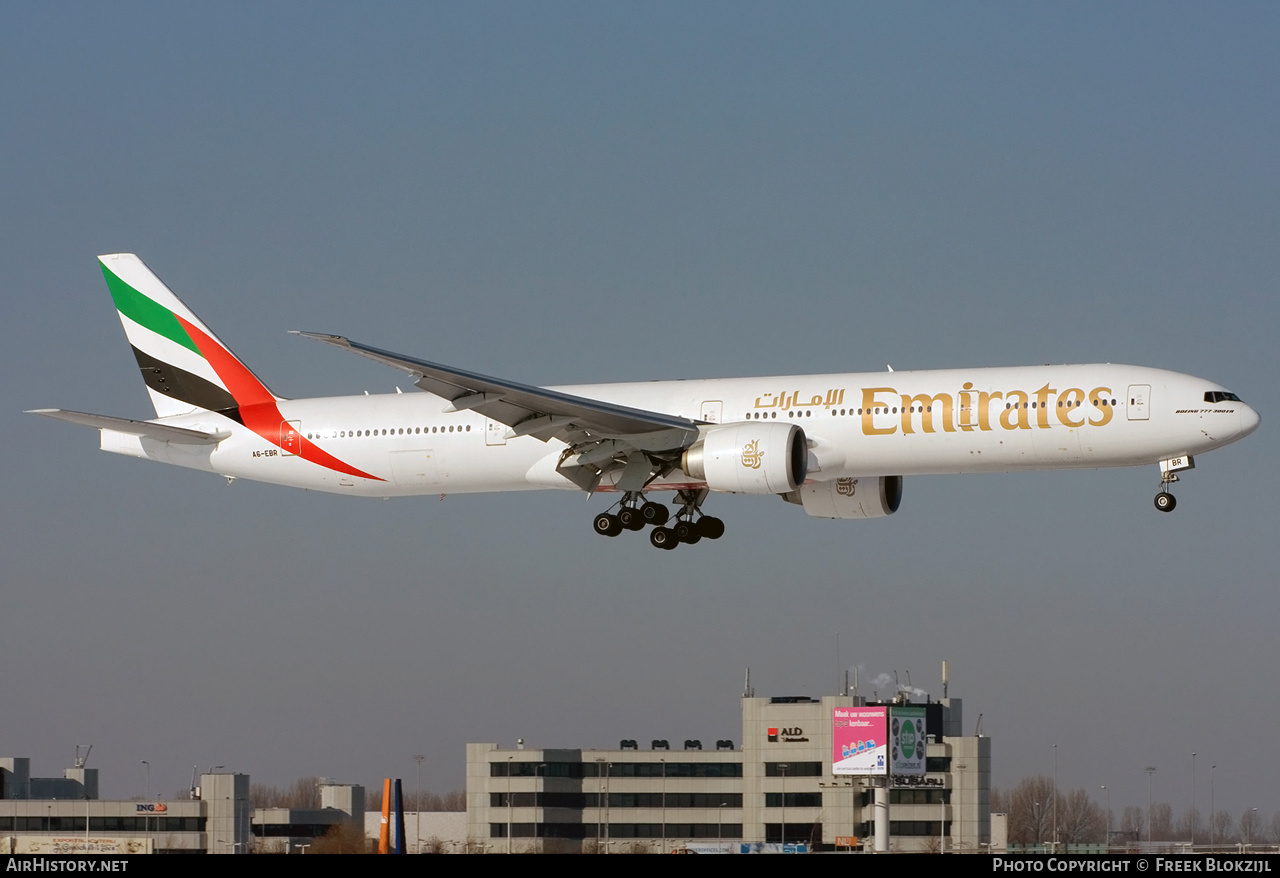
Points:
(562, 193)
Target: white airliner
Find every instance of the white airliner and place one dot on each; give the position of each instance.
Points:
(836, 445)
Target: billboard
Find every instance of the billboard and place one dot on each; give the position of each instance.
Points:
(859, 740)
(906, 740)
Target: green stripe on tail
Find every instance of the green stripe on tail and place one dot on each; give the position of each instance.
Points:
(144, 312)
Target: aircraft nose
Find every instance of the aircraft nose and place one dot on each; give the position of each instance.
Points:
(1249, 420)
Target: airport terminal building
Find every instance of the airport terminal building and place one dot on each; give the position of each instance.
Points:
(64, 815)
(777, 787)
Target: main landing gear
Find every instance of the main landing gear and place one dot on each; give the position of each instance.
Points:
(635, 513)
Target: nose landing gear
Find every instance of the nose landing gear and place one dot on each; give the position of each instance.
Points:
(1169, 469)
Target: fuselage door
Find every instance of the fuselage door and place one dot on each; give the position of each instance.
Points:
(713, 411)
(1139, 397)
(291, 438)
(966, 410)
(494, 433)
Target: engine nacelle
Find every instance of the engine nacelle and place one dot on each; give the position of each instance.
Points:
(749, 458)
(850, 498)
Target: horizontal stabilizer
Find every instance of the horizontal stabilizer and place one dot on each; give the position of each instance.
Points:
(161, 432)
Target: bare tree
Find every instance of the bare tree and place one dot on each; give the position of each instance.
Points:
(1133, 823)
(1080, 819)
(1161, 826)
(1191, 828)
(1031, 811)
(344, 838)
(263, 795)
(1224, 830)
(1250, 826)
(303, 794)
(454, 800)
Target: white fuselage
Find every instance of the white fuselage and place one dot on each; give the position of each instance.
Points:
(858, 425)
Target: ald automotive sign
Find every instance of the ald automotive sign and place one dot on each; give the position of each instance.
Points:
(790, 735)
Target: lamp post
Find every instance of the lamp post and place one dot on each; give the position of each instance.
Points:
(663, 762)
(1150, 770)
(146, 795)
(1055, 798)
(1194, 815)
(1211, 813)
(1108, 792)
(600, 805)
(417, 829)
(782, 767)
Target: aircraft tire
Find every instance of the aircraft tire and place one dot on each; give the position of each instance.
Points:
(1165, 501)
(711, 527)
(655, 514)
(630, 518)
(687, 532)
(663, 538)
(607, 524)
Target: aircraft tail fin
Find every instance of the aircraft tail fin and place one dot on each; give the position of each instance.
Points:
(185, 367)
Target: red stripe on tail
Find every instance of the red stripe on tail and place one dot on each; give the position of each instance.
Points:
(257, 406)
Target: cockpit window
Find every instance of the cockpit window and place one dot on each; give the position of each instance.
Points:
(1220, 396)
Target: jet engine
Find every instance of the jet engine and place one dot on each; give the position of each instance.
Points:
(749, 458)
(873, 497)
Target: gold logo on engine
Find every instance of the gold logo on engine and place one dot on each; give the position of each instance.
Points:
(751, 454)
(846, 487)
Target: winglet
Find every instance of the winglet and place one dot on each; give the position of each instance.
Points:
(328, 338)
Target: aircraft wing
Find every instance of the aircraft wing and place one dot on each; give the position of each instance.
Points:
(162, 432)
(602, 436)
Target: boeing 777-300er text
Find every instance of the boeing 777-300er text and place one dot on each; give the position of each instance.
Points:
(836, 445)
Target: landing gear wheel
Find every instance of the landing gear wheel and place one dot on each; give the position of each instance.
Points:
(710, 527)
(687, 532)
(663, 538)
(607, 525)
(654, 513)
(1165, 501)
(630, 518)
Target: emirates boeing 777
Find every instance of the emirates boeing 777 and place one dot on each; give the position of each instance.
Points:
(837, 445)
